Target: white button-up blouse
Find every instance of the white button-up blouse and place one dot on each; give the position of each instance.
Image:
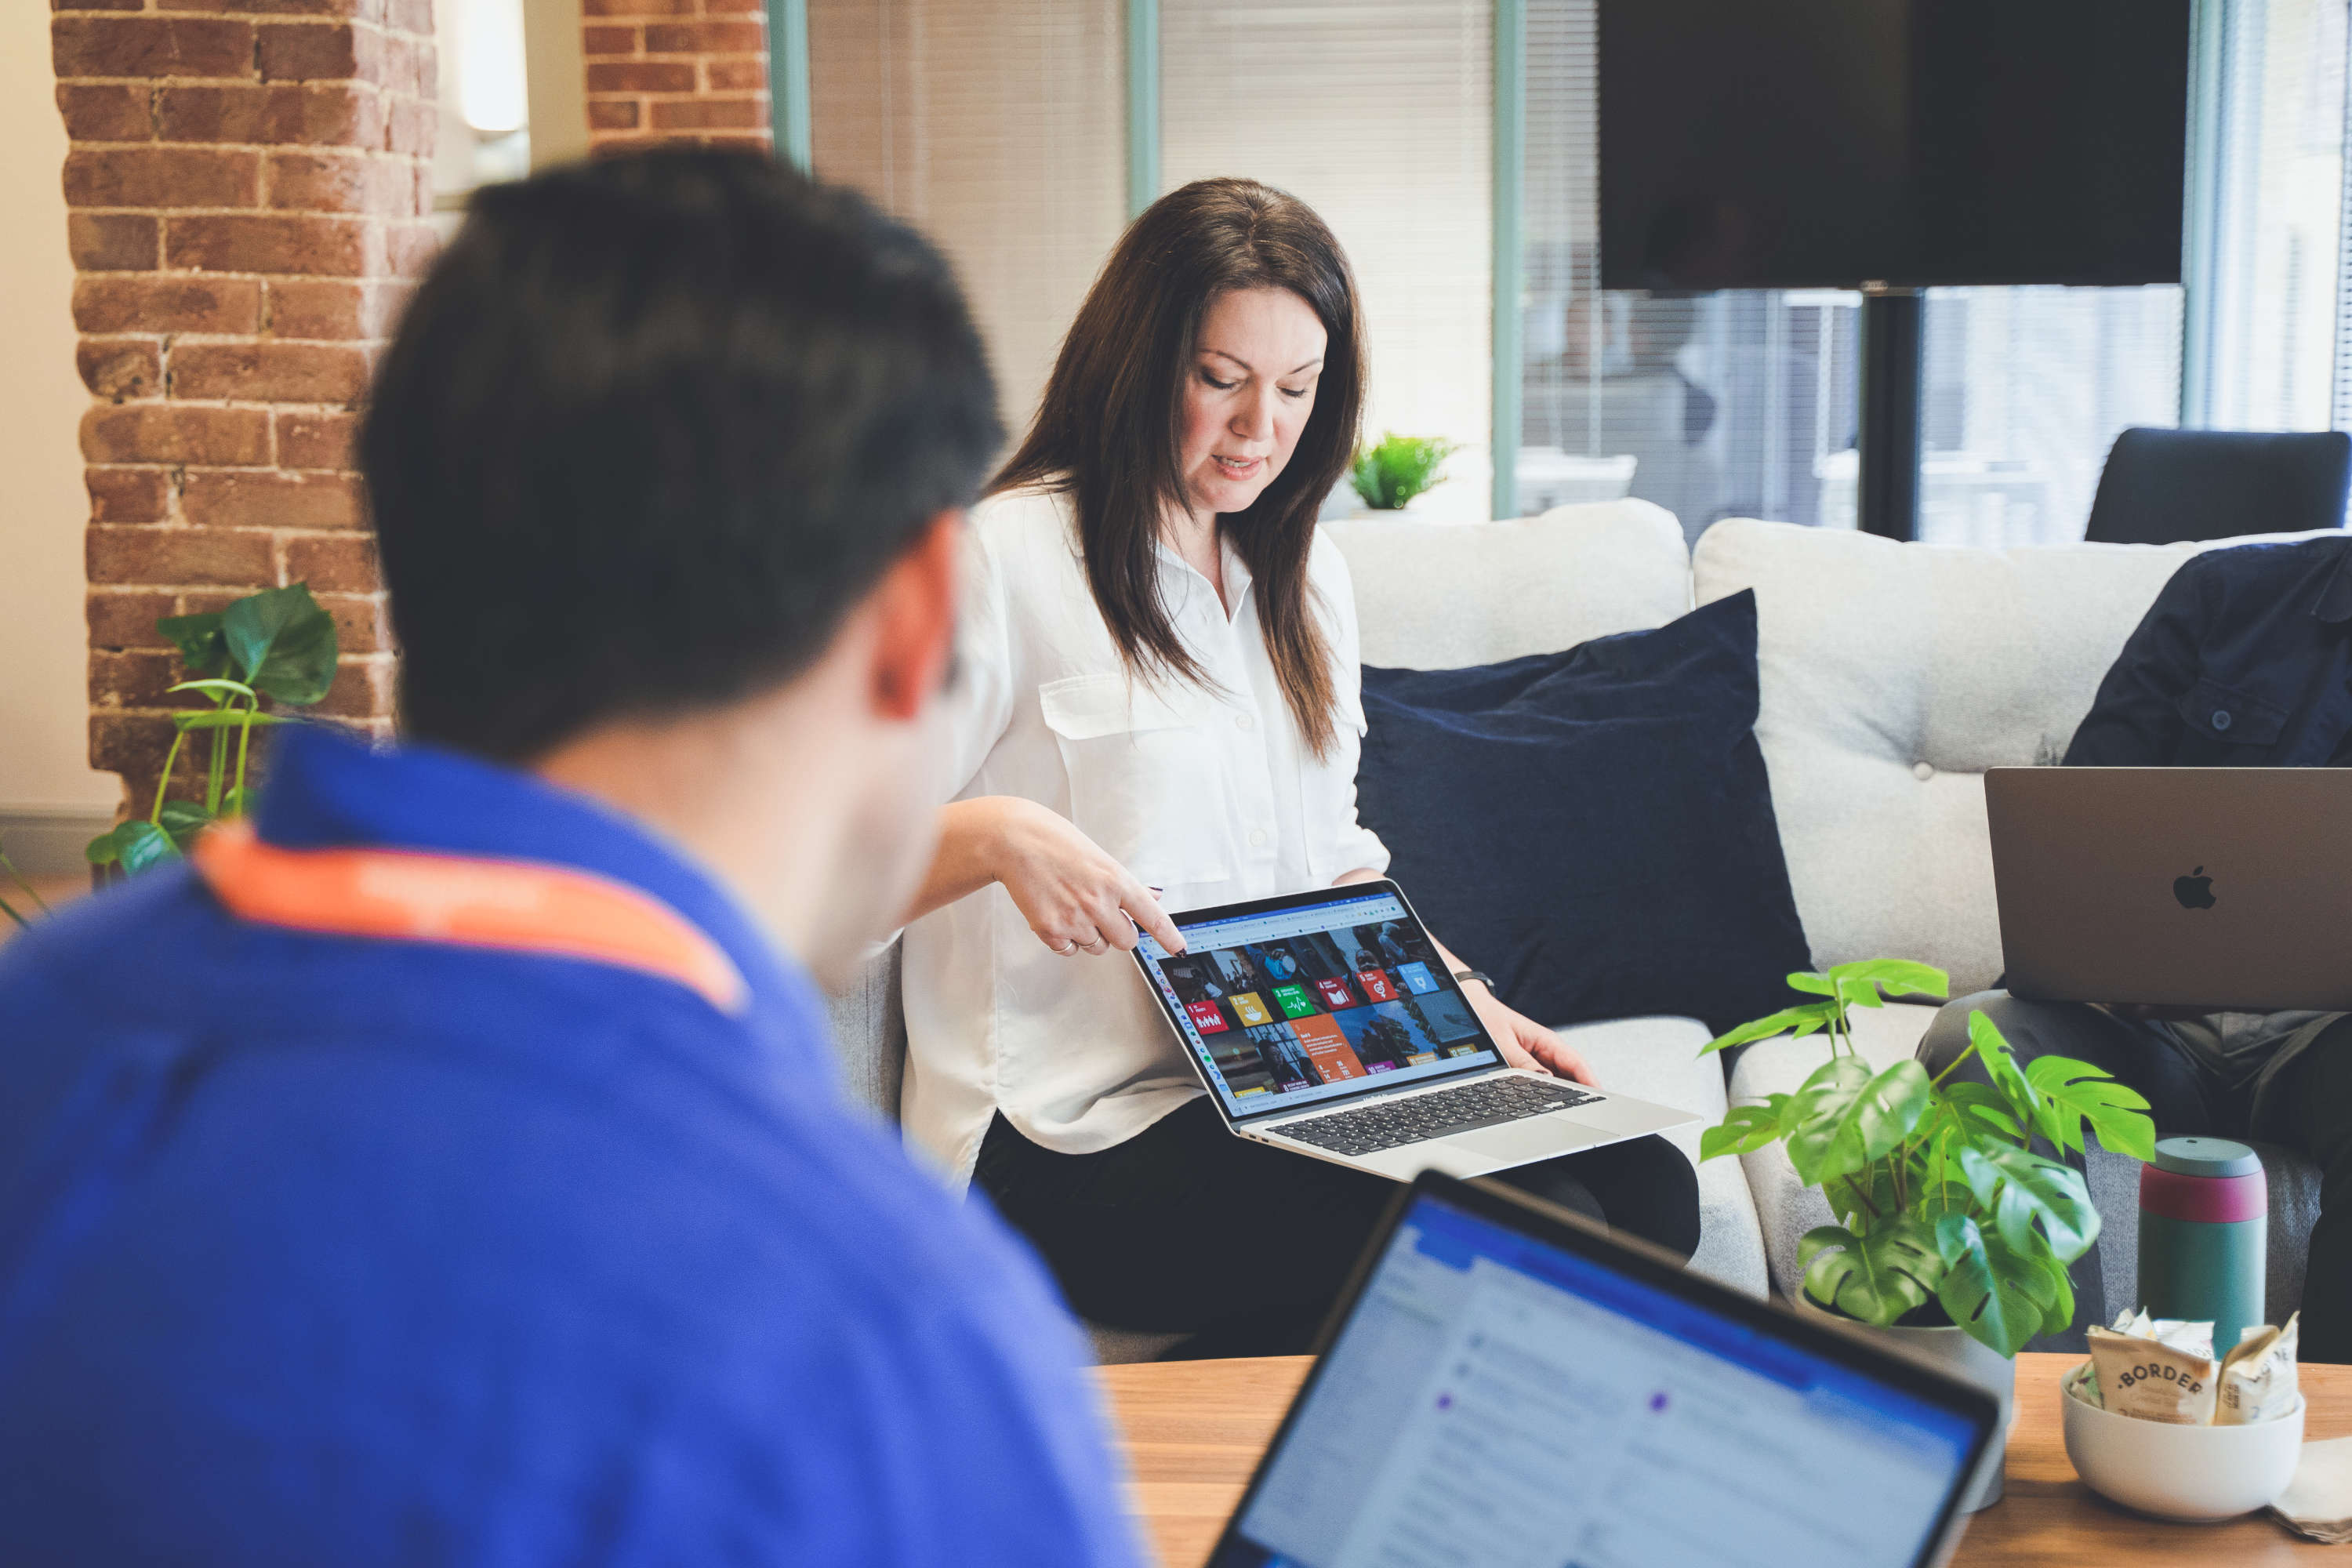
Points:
(1208, 793)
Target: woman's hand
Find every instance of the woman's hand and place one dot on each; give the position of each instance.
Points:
(1075, 897)
(1526, 1043)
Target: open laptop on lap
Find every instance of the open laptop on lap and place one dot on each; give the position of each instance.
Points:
(1506, 1384)
(1325, 1023)
(2216, 888)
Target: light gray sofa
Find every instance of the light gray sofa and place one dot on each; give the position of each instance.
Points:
(1893, 675)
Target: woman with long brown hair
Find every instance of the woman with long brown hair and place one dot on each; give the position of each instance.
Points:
(1160, 708)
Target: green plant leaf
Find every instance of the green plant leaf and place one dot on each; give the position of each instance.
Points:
(2060, 1313)
(101, 851)
(1857, 992)
(1810, 1018)
(219, 689)
(1937, 1199)
(2001, 1295)
(2001, 1065)
(1845, 1116)
(1896, 976)
(137, 845)
(1979, 1108)
(1875, 1277)
(1744, 1129)
(2022, 1190)
(1815, 984)
(229, 719)
(2074, 1093)
(182, 820)
(198, 638)
(1394, 470)
(282, 643)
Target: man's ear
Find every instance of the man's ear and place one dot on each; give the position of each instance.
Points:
(915, 620)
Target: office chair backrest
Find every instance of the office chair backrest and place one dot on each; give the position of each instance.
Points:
(2163, 487)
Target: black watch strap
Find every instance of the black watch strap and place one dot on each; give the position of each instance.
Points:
(1481, 976)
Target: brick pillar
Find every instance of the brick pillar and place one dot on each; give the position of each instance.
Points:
(676, 70)
(248, 195)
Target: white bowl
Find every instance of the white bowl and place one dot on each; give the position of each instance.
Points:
(2197, 1473)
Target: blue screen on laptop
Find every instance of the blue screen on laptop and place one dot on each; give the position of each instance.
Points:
(1493, 1399)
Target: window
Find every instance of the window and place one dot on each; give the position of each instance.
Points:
(1744, 403)
(2025, 389)
(1736, 404)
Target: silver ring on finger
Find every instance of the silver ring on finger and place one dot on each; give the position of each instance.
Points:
(1066, 951)
(1100, 946)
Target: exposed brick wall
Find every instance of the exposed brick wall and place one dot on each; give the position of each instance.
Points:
(676, 70)
(247, 180)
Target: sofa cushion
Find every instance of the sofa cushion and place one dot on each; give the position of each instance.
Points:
(1592, 827)
(1438, 595)
(1893, 675)
(870, 1035)
(1657, 1060)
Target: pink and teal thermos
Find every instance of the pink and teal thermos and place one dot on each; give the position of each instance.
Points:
(2204, 1234)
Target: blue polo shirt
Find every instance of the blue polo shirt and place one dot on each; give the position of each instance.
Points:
(317, 1249)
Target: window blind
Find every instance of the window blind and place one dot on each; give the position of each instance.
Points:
(999, 128)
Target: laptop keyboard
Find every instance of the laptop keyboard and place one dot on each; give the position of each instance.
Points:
(1416, 1119)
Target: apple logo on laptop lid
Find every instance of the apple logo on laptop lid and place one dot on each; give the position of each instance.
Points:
(2195, 891)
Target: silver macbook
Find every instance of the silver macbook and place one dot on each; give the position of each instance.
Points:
(1507, 1384)
(1325, 1023)
(2220, 888)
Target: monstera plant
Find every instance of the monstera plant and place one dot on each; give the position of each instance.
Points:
(278, 644)
(1946, 1214)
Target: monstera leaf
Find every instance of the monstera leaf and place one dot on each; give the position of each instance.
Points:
(2024, 1190)
(2074, 1093)
(2000, 1294)
(1846, 1116)
(1874, 1277)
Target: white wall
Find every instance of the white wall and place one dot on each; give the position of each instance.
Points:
(43, 687)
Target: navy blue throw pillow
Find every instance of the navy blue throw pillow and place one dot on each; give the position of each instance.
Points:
(1593, 828)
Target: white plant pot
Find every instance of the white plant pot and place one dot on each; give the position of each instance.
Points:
(1954, 1353)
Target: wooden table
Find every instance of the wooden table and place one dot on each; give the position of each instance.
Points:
(1193, 1431)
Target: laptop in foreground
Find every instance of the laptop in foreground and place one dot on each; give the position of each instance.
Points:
(2219, 888)
(1506, 1384)
(1325, 1023)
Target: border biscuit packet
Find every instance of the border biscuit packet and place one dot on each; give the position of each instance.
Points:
(2140, 1375)
(2259, 1380)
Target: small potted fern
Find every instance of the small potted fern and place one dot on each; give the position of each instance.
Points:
(1951, 1232)
(1389, 473)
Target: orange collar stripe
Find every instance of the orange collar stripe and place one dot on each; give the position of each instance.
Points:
(515, 906)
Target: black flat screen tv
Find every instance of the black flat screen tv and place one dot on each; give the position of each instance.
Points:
(1800, 143)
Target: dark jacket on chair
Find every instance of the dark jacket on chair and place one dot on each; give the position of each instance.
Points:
(2245, 660)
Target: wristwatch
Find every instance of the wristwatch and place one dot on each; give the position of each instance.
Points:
(1481, 976)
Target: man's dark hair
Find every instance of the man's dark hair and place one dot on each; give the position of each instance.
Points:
(650, 427)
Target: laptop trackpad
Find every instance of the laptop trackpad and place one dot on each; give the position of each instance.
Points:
(1516, 1143)
(1624, 1118)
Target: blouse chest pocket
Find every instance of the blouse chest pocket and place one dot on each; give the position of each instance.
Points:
(1148, 782)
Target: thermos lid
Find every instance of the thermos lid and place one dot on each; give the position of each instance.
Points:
(2205, 1157)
